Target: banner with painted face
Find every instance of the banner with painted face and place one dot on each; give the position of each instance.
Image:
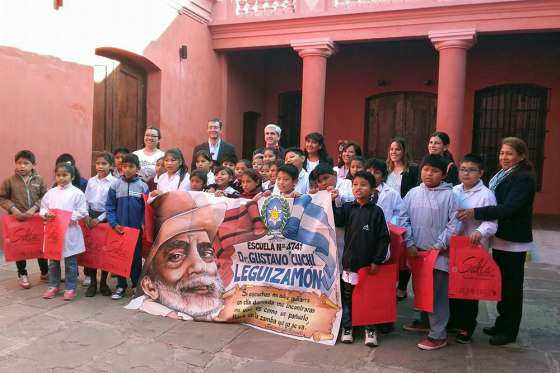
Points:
(271, 264)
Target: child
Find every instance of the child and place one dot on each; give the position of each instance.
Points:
(176, 176)
(125, 207)
(160, 169)
(65, 196)
(79, 182)
(387, 198)
(324, 177)
(119, 154)
(286, 180)
(204, 162)
(222, 186)
(295, 157)
(198, 180)
(356, 164)
(240, 167)
(366, 244)
(429, 214)
(258, 160)
(265, 171)
(271, 175)
(96, 196)
(250, 183)
(471, 193)
(270, 155)
(228, 162)
(20, 195)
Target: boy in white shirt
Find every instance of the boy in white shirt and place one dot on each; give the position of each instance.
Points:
(471, 193)
(295, 157)
(387, 198)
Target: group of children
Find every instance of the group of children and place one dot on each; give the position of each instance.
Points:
(362, 202)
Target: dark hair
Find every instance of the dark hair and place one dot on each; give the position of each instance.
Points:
(290, 170)
(106, 156)
(273, 150)
(357, 149)
(406, 155)
(68, 167)
(25, 154)
(379, 165)
(158, 133)
(204, 154)
(217, 120)
(324, 157)
(69, 159)
(121, 150)
(474, 158)
(437, 161)
(178, 154)
(201, 175)
(355, 158)
(294, 149)
(131, 159)
(520, 148)
(224, 168)
(444, 137)
(367, 176)
(229, 158)
(254, 174)
(321, 169)
(278, 163)
(247, 162)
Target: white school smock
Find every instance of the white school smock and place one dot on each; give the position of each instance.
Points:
(390, 202)
(302, 185)
(68, 198)
(168, 183)
(96, 194)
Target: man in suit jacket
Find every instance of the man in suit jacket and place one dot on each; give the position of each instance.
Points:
(215, 146)
(272, 134)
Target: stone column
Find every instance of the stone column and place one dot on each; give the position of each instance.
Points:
(452, 46)
(314, 53)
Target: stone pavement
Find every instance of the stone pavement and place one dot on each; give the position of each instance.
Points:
(98, 335)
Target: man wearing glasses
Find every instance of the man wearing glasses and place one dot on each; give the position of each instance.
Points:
(215, 146)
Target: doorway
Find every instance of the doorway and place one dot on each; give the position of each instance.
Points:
(250, 120)
(289, 118)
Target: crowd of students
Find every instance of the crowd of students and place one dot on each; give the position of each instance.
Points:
(433, 200)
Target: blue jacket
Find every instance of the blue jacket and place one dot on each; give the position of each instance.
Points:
(125, 202)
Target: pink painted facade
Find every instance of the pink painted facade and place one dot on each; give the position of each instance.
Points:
(243, 56)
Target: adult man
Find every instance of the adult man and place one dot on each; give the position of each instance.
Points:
(215, 146)
(180, 274)
(271, 139)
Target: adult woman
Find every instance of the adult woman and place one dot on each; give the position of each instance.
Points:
(150, 153)
(514, 187)
(438, 145)
(315, 151)
(349, 151)
(403, 176)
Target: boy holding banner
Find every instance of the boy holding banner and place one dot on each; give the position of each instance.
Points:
(366, 244)
(20, 196)
(429, 215)
(471, 193)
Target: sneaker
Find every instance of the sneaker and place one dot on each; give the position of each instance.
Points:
(104, 289)
(50, 293)
(69, 294)
(371, 338)
(346, 336)
(91, 290)
(416, 326)
(500, 340)
(86, 282)
(45, 278)
(24, 281)
(429, 344)
(118, 294)
(463, 337)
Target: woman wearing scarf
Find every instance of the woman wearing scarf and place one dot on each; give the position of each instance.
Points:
(514, 186)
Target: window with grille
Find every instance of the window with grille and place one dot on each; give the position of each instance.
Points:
(510, 110)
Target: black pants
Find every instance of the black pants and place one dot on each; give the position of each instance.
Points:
(404, 277)
(463, 314)
(22, 264)
(512, 267)
(346, 294)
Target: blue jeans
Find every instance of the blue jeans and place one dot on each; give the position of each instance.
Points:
(70, 268)
(136, 266)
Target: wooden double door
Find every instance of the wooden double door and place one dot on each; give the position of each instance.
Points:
(119, 116)
(411, 115)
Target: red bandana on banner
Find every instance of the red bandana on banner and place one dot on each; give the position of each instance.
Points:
(398, 247)
(23, 239)
(148, 233)
(374, 299)
(108, 250)
(422, 269)
(473, 274)
(55, 230)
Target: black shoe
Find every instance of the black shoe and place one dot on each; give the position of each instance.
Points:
(463, 337)
(500, 340)
(91, 290)
(385, 328)
(490, 330)
(104, 289)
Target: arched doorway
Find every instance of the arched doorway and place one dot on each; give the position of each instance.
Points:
(510, 110)
(411, 115)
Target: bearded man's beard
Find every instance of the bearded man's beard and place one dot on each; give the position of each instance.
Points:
(183, 297)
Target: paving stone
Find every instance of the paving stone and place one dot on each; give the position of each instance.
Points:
(272, 346)
(275, 367)
(339, 356)
(205, 336)
(79, 309)
(507, 359)
(11, 364)
(11, 313)
(32, 328)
